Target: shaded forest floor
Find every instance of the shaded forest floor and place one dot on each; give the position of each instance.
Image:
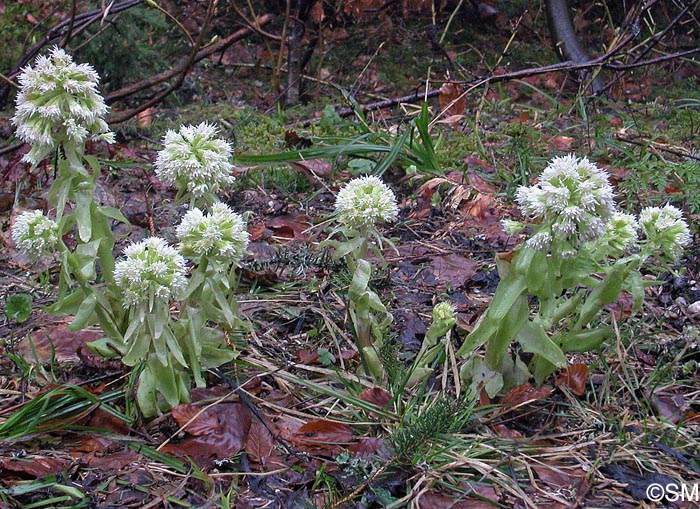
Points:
(289, 424)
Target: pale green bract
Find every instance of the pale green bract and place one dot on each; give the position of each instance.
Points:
(194, 159)
(34, 233)
(572, 202)
(221, 234)
(151, 270)
(365, 202)
(444, 318)
(665, 228)
(59, 102)
(444, 311)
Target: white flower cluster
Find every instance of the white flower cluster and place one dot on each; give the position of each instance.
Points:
(665, 228)
(152, 270)
(573, 204)
(34, 233)
(194, 159)
(364, 202)
(222, 234)
(573, 200)
(620, 233)
(59, 102)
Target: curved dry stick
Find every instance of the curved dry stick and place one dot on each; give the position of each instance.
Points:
(180, 70)
(187, 65)
(601, 61)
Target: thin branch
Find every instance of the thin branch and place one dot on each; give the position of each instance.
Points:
(69, 32)
(11, 148)
(657, 38)
(514, 75)
(191, 59)
(254, 25)
(182, 68)
(652, 61)
(57, 31)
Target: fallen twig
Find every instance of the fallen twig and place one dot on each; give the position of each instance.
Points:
(181, 70)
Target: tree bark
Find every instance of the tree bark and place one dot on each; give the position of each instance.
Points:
(296, 59)
(565, 41)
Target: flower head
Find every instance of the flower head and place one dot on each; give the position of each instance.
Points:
(620, 233)
(512, 227)
(221, 234)
(194, 159)
(34, 233)
(573, 200)
(665, 228)
(59, 102)
(152, 270)
(444, 311)
(364, 202)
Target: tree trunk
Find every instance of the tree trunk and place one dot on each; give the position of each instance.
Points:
(565, 40)
(297, 57)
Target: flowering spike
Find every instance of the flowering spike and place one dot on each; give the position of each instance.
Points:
(34, 233)
(152, 270)
(221, 234)
(59, 102)
(665, 228)
(573, 200)
(194, 159)
(364, 202)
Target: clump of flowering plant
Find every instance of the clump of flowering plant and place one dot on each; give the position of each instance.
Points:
(361, 206)
(196, 162)
(58, 103)
(582, 253)
(150, 275)
(59, 108)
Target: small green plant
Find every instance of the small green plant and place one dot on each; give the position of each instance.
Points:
(444, 415)
(360, 207)
(18, 307)
(582, 253)
(444, 318)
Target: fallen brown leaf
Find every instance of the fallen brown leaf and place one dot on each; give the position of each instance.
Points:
(452, 101)
(323, 436)
(453, 269)
(31, 467)
(377, 396)
(524, 393)
(290, 226)
(55, 342)
(219, 431)
(575, 378)
(561, 143)
(487, 499)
